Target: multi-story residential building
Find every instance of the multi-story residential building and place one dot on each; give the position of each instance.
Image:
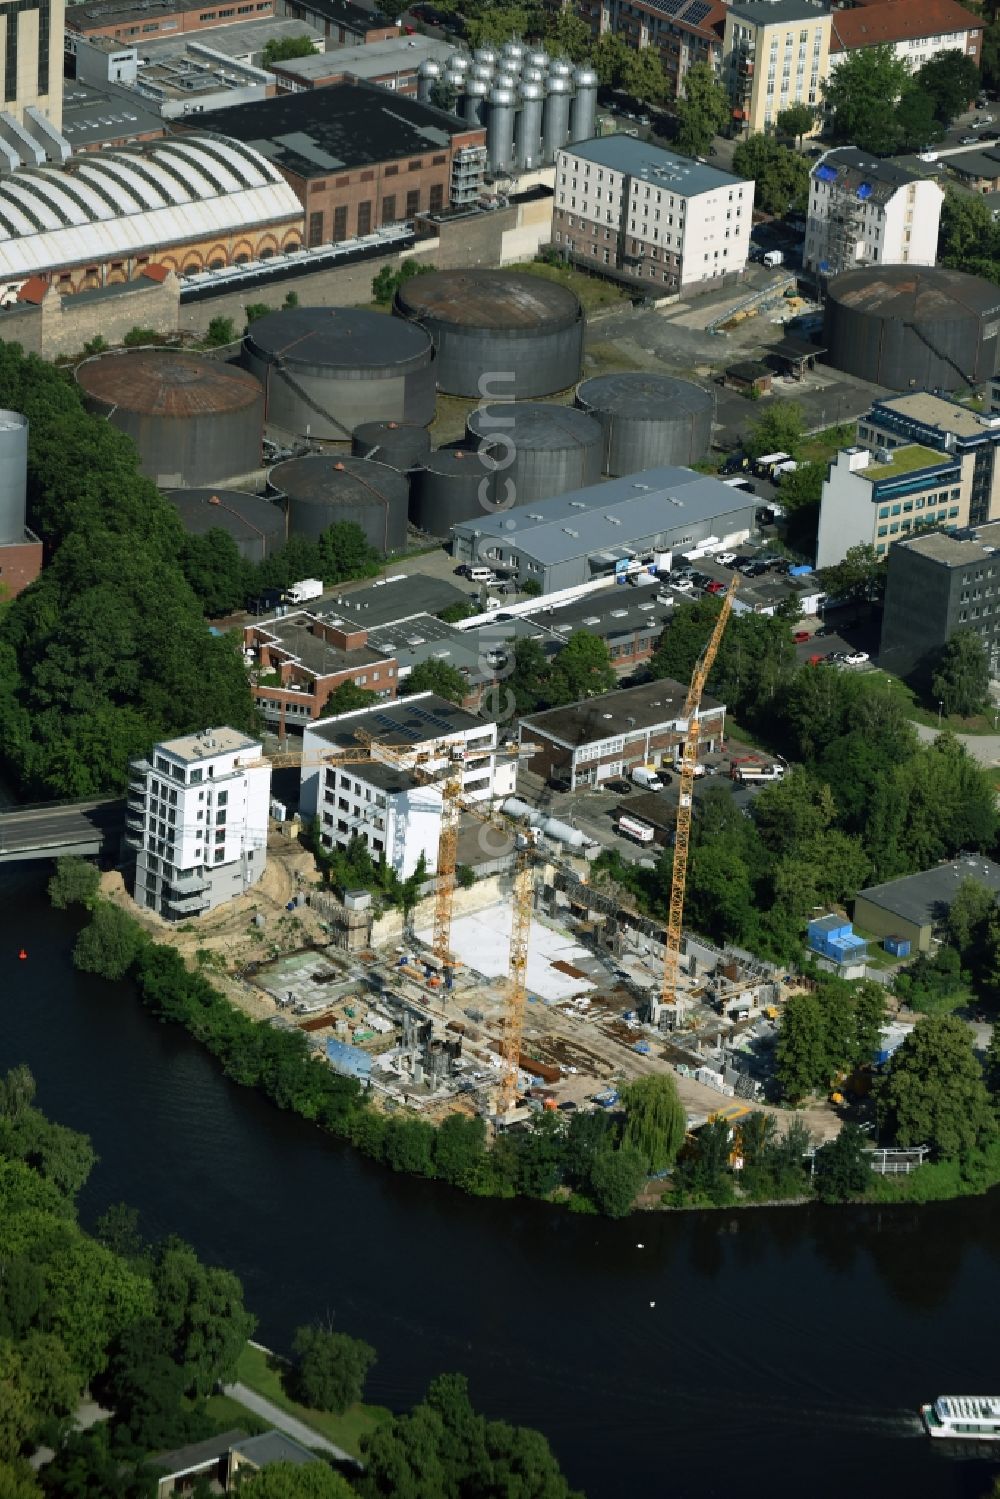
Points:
(197, 816)
(31, 82)
(424, 730)
(935, 585)
(585, 743)
(359, 156)
(396, 816)
(873, 500)
(298, 660)
(915, 32)
(863, 211)
(684, 32)
(775, 53)
(970, 436)
(642, 214)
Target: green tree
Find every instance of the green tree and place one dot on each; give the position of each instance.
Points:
(200, 1311)
(654, 1120)
(611, 57)
(345, 553)
(75, 883)
(220, 331)
(388, 281)
(138, 337)
(842, 1168)
(797, 120)
(347, 697)
(461, 609)
(109, 944)
(861, 95)
(704, 1169)
(567, 35)
(460, 1149)
(118, 1230)
(781, 175)
(933, 1093)
(951, 81)
(642, 75)
(582, 669)
(961, 679)
(284, 48)
(330, 1368)
(436, 676)
(216, 571)
(859, 578)
(916, 121)
(17, 1481)
(144, 1387)
(778, 430)
(992, 1067)
(255, 310)
(802, 1048)
(990, 54)
(703, 112)
(968, 239)
(531, 588)
(444, 95)
(616, 1177)
(801, 492)
(294, 1481)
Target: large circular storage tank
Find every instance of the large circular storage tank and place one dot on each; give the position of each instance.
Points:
(649, 421)
(257, 526)
(193, 420)
(502, 334)
(322, 491)
(539, 450)
(913, 327)
(402, 445)
(325, 369)
(452, 485)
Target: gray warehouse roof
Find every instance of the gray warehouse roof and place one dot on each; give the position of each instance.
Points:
(407, 722)
(922, 899)
(682, 175)
(393, 600)
(954, 549)
(373, 60)
(778, 12)
(606, 517)
(631, 711)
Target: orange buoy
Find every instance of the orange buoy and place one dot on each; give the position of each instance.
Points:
(23, 954)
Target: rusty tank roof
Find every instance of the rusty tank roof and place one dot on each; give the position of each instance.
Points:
(914, 293)
(158, 382)
(501, 300)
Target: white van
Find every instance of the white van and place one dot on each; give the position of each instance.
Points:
(643, 776)
(481, 575)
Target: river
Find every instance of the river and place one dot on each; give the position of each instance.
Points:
(757, 1353)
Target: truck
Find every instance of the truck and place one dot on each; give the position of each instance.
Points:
(646, 777)
(765, 465)
(303, 590)
(631, 827)
(754, 773)
(772, 258)
(699, 769)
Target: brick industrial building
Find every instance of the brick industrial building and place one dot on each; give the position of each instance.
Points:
(298, 660)
(338, 21)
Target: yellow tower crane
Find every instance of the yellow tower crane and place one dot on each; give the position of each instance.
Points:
(669, 995)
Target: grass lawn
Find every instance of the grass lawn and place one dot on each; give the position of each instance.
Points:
(820, 447)
(228, 1413)
(592, 290)
(902, 692)
(262, 1373)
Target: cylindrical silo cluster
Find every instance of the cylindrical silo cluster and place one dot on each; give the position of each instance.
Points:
(402, 445)
(323, 491)
(498, 335)
(193, 420)
(648, 421)
(531, 104)
(913, 327)
(325, 369)
(538, 450)
(257, 525)
(452, 485)
(13, 476)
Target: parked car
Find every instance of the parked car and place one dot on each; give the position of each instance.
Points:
(801, 636)
(462, 570)
(618, 785)
(684, 585)
(968, 140)
(725, 559)
(856, 658)
(715, 587)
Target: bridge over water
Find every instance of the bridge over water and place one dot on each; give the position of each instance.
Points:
(52, 830)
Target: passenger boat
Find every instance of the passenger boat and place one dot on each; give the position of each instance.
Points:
(971, 1418)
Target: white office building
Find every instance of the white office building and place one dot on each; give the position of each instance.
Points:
(424, 731)
(396, 816)
(863, 211)
(197, 816)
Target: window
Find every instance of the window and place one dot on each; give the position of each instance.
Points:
(340, 223)
(316, 228)
(436, 200)
(412, 202)
(365, 217)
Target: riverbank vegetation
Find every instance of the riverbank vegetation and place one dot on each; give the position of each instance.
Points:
(148, 1331)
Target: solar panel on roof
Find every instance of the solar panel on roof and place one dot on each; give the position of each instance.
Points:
(697, 13)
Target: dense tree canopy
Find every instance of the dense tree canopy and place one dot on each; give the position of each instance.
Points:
(330, 1368)
(933, 1092)
(702, 112)
(960, 681)
(781, 175)
(861, 95)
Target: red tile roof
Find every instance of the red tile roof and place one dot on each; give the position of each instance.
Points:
(898, 21)
(33, 290)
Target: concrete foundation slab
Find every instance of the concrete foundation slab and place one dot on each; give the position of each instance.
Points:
(481, 940)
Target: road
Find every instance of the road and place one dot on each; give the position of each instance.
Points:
(982, 747)
(73, 827)
(297, 1430)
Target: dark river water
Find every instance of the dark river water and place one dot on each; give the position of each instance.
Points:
(786, 1352)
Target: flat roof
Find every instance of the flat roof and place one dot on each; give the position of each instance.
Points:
(406, 723)
(935, 412)
(631, 710)
(92, 115)
(370, 61)
(349, 124)
(652, 807)
(387, 778)
(908, 459)
(208, 744)
(393, 600)
(953, 549)
(618, 611)
(294, 633)
(426, 638)
(665, 169)
(984, 164)
(236, 40)
(345, 13)
(923, 899)
(606, 518)
(778, 12)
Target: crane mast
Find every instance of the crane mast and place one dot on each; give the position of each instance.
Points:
(669, 995)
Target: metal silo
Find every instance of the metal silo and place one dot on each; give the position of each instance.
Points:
(428, 73)
(649, 421)
(459, 62)
(560, 67)
(906, 327)
(257, 525)
(555, 120)
(486, 55)
(584, 112)
(452, 485)
(500, 129)
(325, 369)
(532, 75)
(503, 79)
(513, 51)
(13, 476)
(483, 71)
(498, 334)
(539, 450)
(537, 58)
(529, 126)
(322, 491)
(474, 104)
(402, 445)
(193, 420)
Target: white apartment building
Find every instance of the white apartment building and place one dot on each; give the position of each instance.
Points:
(423, 730)
(863, 211)
(775, 53)
(395, 815)
(645, 215)
(875, 499)
(197, 815)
